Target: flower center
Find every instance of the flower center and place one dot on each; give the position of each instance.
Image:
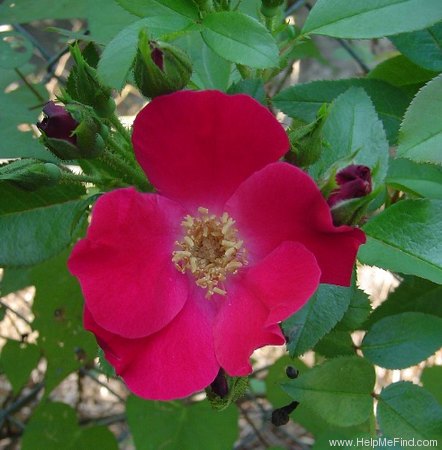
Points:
(210, 250)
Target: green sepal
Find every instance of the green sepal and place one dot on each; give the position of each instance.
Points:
(153, 81)
(84, 86)
(30, 174)
(350, 212)
(104, 365)
(306, 140)
(237, 388)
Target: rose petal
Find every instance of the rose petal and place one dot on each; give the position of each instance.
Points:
(240, 329)
(124, 264)
(197, 147)
(173, 363)
(282, 203)
(284, 280)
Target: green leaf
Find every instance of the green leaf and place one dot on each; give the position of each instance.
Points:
(37, 225)
(20, 111)
(210, 71)
(177, 13)
(254, 88)
(14, 279)
(360, 19)
(240, 39)
(356, 313)
(18, 374)
(402, 340)
(338, 390)
(430, 379)
(321, 313)
(406, 238)
(117, 58)
(336, 343)
(423, 47)
(58, 310)
(54, 426)
(303, 101)
(400, 71)
(353, 134)
(420, 179)
(409, 411)
(420, 137)
(413, 295)
(15, 49)
(153, 424)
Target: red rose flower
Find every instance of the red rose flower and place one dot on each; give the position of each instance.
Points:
(194, 278)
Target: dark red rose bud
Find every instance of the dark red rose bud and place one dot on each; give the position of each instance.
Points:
(354, 181)
(58, 123)
(219, 385)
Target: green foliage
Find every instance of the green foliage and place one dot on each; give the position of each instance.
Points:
(303, 101)
(353, 134)
(400, 71)
(420, 137)
(240, 39)
(37, 225)
(54, 426)
(338, 390)
(210, 71)
(254, 88)
(174, 426)
(406, 238)
(360, 19)
(418, 179)
(423, 47)
(430, 378)
(15, 50)
(409, 411)
(336, 343)
(402, 340)
(413, 295)
(322, 312)
(58, 308)
(18, 374)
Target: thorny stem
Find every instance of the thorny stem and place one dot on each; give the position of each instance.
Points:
(115, 160)
(115, 121)
(82, 178)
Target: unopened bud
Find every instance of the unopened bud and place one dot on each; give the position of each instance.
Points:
(73, 133)
(160, 68)
(353, 181)
(30, 174)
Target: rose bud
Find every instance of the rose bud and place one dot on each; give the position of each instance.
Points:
(160, 68)
(73, 134)
(30, 174)
(353, 181)
(57, 123)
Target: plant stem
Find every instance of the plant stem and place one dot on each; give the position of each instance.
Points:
(124, 167)
(115, 121)
(82, 178)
